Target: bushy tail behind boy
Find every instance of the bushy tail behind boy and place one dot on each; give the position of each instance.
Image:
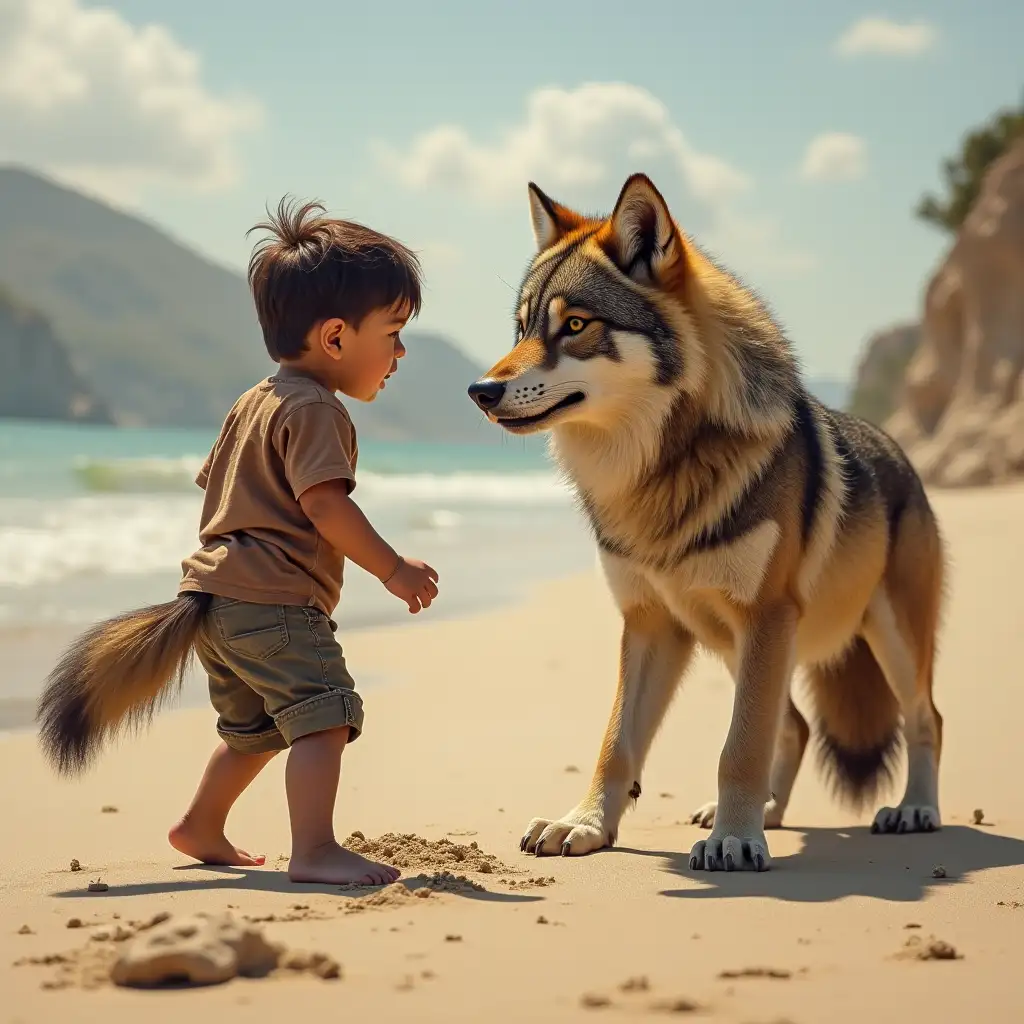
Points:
(116, 677)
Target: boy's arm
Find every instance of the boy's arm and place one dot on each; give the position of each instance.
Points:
(315, 443)
(341, 522)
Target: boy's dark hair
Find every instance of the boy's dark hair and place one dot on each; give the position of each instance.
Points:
(313, 268)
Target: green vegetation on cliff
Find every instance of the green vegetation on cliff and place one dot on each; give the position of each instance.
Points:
(964, 172)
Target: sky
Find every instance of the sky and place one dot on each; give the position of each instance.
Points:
(791, 139)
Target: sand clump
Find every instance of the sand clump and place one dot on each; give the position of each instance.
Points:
(390, 897)
(199, 949)
(87, 968)
(540, 882)
(632, 988)
(445, 881)
(917, 948)
(413, 852)
(296, 912)
(756, 972)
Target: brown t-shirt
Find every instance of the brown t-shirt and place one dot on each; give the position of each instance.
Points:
(282, 437)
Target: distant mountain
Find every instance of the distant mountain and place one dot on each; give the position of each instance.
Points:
(39, 379)
(166, 337)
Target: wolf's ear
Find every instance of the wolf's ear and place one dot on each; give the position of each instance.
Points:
(551, 221)
(642, 239)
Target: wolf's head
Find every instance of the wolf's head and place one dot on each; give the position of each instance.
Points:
(605, 319)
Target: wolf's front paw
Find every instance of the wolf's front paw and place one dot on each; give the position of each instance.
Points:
(722, 851)
(907, 818)
(576, 833)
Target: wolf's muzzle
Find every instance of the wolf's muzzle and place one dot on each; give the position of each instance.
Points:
(487, 393)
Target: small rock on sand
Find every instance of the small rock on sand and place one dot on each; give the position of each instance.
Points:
(25, 930)
(637, 984)
(320, 964)
(938, 871)
(979, 816)
(98, 886)
(108, 809)
(75, 922)
(593, 1001)
(933, 949)
(75, 864)
(756, 972)
(939, 950)
(677, 1005)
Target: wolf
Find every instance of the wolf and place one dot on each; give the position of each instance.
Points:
(733, 513)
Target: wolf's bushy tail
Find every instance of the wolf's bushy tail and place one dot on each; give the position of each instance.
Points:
(115, 677)
(858, 720)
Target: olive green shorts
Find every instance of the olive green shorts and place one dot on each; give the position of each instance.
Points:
(277, 673)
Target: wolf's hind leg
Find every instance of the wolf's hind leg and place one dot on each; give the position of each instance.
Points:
(909, 673)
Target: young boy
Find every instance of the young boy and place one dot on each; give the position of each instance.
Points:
(277, 524)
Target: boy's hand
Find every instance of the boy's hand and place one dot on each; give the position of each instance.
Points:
(414, 582)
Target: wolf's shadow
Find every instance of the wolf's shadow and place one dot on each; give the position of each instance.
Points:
(838, 862)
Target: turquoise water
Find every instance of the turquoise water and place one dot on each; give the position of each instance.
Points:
(56, 459)
(96, 520)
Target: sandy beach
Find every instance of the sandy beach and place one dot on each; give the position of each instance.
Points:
(482, 723)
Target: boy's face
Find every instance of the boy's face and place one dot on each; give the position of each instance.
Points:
(369, 354)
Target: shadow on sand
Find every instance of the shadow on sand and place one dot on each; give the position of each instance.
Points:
(232, 879)
(838, 862)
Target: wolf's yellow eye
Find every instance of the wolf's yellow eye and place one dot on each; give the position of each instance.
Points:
(576, 324)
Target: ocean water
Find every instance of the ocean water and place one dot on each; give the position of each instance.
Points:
(96, 520)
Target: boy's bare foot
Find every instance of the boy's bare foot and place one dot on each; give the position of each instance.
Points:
(210, 847)
(332, 864)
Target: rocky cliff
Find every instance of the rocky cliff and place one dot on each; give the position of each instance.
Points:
(878, 383)
(38, 380)
(961, 410)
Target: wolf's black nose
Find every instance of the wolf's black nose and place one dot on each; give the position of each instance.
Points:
(487, 393)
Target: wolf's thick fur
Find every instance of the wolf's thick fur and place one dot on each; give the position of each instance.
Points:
(116, 676)
(731, 510)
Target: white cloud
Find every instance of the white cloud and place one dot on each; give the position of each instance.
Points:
(565, 141)
(835, 156)
(882, 36)
(102, 103)
(578, 145)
